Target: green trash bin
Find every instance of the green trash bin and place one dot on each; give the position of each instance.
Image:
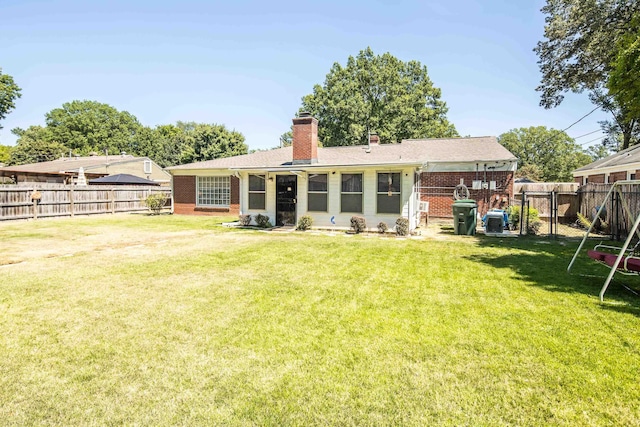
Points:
(464, 217)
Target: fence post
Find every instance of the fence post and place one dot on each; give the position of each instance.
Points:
(71, 204)
(112, 194)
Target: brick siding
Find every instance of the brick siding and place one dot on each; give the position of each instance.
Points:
(596, 179)
(617, 176)
(437, 188)
(184, 198)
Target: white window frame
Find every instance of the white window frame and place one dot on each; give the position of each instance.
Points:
(393, 193)
(361, 193)
(263, 177)
(326, 193)
(147, 166)
(216, 183)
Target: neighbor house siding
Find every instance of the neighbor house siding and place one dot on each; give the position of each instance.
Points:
(437, 188)
(596, 179)
(617, 176)
(184, 199)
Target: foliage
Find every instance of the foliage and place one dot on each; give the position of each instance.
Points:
(156, 202)
(598, 151)
(201, 141)
(262, 221)
(9, 92)
(583, 221)
(358, 224)
(86, 127)
(550, 153)
(582, 40)
(5, 153)
(305, 222)
(377, 93)
(90, 126)
(533, 222)
(382, 227)
(35, 144)
(402, 226)
(623, 82)
(245, 219)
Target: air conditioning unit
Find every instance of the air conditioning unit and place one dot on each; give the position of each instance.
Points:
(423, 207)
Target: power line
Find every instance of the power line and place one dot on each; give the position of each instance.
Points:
(598, 130)
(600, 137)
(580, 119)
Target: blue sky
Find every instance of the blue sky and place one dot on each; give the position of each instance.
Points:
(247, 64)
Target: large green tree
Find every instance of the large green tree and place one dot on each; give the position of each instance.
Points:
(624, 78)
(35, 144)
(9, 92)
(87, 126)
(578, 53)
(544, 154)
(5, 153)
(199, 141)
(377, 93)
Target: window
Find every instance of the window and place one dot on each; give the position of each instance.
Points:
(317, 193)
(147, 166)
(213, 191)
(351, 196)
(257, 192)
(389, 193)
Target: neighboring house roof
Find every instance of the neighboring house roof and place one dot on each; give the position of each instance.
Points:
(410, 151)
(621, 158)
(71, 164)
(122, 179)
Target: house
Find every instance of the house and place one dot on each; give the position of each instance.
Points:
(380, 182)
(619, 166)
(67, 169)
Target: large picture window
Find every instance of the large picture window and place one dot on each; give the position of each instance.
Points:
(214, 191)
(388, 193)
(257, 192)
(317, 197)
(351, 195)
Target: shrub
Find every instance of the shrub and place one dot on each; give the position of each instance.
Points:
(245, 220)
(155, 202)
(304, 223)
(262, 221)
(402, 226)
(382, 227)
(358, 224)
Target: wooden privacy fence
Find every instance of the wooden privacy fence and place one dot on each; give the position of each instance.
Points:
(57, 200)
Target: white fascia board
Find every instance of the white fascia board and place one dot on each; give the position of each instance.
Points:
(610, 169)
(476, 165)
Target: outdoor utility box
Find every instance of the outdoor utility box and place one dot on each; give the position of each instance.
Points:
(494, 221)
(464, 217)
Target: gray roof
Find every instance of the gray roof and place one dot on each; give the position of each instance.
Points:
(71, 164)
(122, 179)
(627, 156)
(410, 151)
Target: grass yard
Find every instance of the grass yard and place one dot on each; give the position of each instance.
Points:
(174, 320)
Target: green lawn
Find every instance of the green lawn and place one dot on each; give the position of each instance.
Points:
(174, 320)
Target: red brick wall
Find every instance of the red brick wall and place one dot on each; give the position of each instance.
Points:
(596, 179)
(577, 179)
(437, 188)
(184, 198)
(305, 140)
(617, 176)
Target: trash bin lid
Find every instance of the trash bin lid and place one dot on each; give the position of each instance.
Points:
(465, 203)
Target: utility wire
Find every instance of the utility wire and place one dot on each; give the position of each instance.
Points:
(600, 137)
(580, 119)
(598, 130)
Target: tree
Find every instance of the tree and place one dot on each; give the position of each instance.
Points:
(200, 142)
(90, 126)
(35, 144)
(5, 153)
(377, 93)
(624, 78)
(9, 92)
(546, 154)
(580, 48)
